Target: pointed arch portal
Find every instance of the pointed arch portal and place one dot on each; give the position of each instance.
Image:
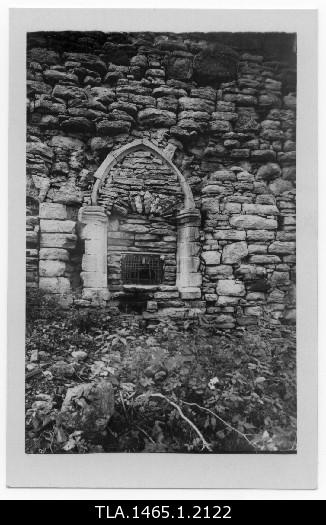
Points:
(112, 159)
(93, 226)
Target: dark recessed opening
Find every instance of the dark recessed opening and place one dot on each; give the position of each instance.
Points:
(133, 303)
(138, 268)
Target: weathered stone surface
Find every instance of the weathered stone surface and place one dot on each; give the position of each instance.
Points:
(112, 127)
(280, 278)
(195, 104)
(264, 259)
(226, 300)
(279, 186)
(55, 285)
(229, 235)
(58, 240)
(77, 125)
(214, 64)
(166, 295)
(179, 67)
(49, 210)
(282, 247)
(53, 76)
(211, 258)
(263, 155)
(260, 235)
(68, 92)
(55, 254)
(253, 222)
(134, 228)
(34, 86)
(260, 209)
(152, 117)
(230, 287)
(52, 268)
(66, 143)
(87, 407)
(223, 175)
(269, 171)
(242, 100)
(68, 194)
(190, 293)
(234, 253)
(61, 369)
(55, 226)
(220, 126)
(44, 56)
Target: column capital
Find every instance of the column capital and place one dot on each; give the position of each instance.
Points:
(88, 214)
(188, 216)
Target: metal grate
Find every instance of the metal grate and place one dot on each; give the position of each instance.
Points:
(142, 269)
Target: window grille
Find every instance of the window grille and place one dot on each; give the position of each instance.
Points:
(138, 268)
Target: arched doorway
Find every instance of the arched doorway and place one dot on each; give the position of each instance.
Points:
(96, 223)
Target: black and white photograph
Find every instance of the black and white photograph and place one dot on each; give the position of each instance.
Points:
(161, 242)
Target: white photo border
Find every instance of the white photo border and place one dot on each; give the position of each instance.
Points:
(122, 470)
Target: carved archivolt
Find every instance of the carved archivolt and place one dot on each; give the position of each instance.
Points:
(103, 173)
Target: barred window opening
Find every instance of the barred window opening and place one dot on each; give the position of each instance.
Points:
(142, 269)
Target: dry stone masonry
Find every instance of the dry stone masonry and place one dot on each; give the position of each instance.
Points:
(161, 173)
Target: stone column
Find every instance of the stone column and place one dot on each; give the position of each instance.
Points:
(189, 278)
(93, 227)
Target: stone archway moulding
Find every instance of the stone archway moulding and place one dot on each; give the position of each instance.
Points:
(93, 224)
(104, 170)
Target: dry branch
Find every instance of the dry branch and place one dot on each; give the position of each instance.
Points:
(222, 421)
(205, 445)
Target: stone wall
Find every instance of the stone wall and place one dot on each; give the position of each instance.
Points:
(222, 108)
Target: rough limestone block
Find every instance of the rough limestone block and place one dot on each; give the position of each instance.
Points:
(168, 288)
(226, 300)
(58, 240)
(260, 235)
(282, 247)
(223, 175)
(54, 254)
(151, 306)
(256, 296)
(253, 310)
(280, 278)
(260, 209)
(229, 235)
(134, 228)
(211, 257)
(55, 226)
(166, 295)
(253, 222)
(55, 285)
(257, 248)
(233, 253)
(211, 297)
(52, 268)
(232, 207)
(50, 210)
(264, 259)
(230, 287)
